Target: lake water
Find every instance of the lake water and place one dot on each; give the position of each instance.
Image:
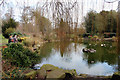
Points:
(69, 55)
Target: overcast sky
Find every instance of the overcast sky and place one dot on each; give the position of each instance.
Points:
(97, 5)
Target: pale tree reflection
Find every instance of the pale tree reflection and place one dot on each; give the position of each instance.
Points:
(64, 47)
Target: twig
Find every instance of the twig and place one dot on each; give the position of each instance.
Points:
(110, 1)
(2, 2)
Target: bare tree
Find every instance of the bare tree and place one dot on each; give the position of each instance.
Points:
(26, 18)
(61, 9)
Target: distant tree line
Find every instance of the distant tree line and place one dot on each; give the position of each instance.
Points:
(104, 21)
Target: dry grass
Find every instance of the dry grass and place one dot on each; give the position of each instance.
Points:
(32, 40)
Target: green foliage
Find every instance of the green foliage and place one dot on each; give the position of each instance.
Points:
(100, 23)
(90, 21)
(114, 38)
(43, 23)
(19, 56)
(46, 49)
(8, 31)
(105, 21)
(18, 72)
(8, 24)
(3, 40)
(1, 36)
(16, 33)
(28, 42)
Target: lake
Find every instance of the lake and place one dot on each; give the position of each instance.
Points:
(70, 55)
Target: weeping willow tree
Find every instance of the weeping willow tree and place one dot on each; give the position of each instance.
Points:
(61, 12)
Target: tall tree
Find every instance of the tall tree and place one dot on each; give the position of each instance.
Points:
(90, 22)
(99, 24)
(61, 9)
(105, 21)
(42, 23)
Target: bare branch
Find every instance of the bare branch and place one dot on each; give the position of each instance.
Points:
(110, 1)
(2, 2)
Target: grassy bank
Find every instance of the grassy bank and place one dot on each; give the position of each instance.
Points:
(3, 40)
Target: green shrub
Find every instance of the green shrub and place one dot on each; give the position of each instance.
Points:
(8, 31)
(2, 37)
(28, 42)
(95, 37)
(114, 38)
(11, 23)
(17, 55)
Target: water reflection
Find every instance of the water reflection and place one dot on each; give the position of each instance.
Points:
(69, 55)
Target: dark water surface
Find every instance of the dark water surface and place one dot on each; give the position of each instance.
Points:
(69, 55)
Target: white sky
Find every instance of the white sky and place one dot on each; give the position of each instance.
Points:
(97, 5)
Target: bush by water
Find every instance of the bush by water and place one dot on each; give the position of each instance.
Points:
(17, 55)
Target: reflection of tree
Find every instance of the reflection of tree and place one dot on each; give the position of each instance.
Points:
(46, 49)
(75, 47)
(103, 54)
(62, 46)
